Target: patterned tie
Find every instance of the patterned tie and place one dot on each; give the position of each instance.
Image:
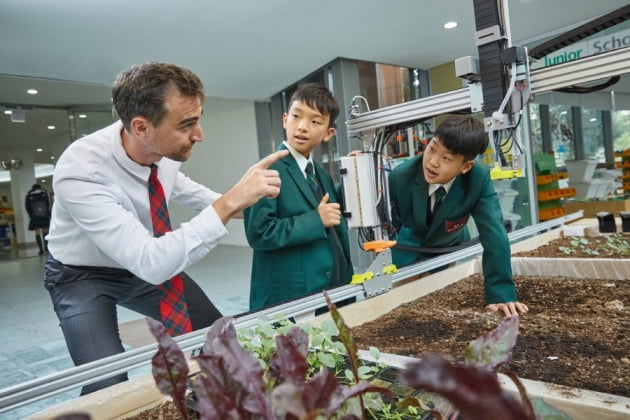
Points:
(439, 197)
(312, 180)
(173, 307)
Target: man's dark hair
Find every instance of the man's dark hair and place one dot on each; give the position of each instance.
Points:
(463, 135)
(317, 96)
(142, 89)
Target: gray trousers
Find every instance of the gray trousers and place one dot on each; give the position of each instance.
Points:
(85, 300)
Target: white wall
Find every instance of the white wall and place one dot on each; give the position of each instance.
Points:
(229, 149)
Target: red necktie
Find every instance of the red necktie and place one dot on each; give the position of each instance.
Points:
(173, 307)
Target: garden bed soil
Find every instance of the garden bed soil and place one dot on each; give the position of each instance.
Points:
(575, 333)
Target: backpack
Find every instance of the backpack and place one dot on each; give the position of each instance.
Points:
(38, 201)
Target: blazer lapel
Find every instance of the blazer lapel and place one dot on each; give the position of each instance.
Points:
(298, 177)
(419, 196)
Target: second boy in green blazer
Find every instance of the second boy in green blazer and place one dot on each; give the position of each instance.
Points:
(448, 165)
(300, 239)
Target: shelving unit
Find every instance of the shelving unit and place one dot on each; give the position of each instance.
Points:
(622, 161)
(550, 196)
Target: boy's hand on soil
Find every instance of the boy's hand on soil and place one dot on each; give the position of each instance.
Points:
(330, 213)
(509, 308)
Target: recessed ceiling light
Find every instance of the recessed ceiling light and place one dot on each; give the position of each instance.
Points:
(32, 91)
(7, 111)
(39, 149)
(51, 127)
(450, 25)
(593, 119)
(52, 158)
(82, 116)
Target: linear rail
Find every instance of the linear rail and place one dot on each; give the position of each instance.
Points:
(588, 69)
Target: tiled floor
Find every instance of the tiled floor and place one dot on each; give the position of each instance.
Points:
(31, 342)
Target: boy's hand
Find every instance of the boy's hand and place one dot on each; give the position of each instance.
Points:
(509, 308)
(330, 213)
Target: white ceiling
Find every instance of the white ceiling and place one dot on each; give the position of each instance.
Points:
(244, 49)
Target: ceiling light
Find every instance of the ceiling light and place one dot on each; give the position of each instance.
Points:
(51, 127)
(32, 91)
(52, 158)
(450, 25)
(7, 111)
(593, 119)
(39, 149)
(82, 115)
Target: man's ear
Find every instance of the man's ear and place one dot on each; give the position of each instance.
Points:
(467, 166)
(141, 127)
(331, 132)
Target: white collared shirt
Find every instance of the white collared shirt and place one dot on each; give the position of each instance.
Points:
(434, 187)
(299, 158)
(101, 214)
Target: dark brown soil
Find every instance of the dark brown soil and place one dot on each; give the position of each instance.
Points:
(575, 334)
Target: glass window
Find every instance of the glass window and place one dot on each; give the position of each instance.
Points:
(593, 135)
(384, 85)
(535, 130)
(621, 129)
(561, 122)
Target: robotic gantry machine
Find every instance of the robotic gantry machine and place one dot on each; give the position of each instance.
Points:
(500, 84)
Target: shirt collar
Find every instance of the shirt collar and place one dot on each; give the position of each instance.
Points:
(299, 158)
(124, 160)
(447, 186)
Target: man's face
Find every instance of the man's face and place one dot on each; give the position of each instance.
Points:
(306, 128)
(440, 165)
(179, 130)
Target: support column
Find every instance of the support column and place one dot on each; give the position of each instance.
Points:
(22, 180)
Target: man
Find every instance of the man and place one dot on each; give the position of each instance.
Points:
(110, 241)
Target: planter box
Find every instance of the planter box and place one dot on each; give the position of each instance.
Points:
(132, 397)
(578, 403)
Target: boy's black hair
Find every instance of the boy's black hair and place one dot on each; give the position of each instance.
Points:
(463, 135)
(317, 96)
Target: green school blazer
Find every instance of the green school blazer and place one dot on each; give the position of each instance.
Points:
(292, 253)
(471, 194)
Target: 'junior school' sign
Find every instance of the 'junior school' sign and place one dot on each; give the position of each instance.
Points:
(582, 49)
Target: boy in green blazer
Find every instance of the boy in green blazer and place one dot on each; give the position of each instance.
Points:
(446, 173)
(300, 239)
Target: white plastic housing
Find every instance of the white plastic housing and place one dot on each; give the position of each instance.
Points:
(359, 186)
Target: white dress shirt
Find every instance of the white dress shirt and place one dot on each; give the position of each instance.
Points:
(101, 214)
(434, 187)
(299, 158)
